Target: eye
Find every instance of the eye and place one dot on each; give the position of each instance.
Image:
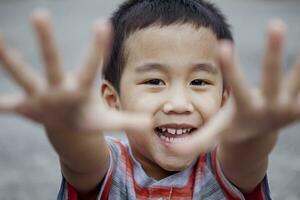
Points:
(154, 82)
(199, 82)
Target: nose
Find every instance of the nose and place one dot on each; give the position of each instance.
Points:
(178, 102)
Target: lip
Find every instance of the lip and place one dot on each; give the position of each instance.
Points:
(164, 142)
(169, 144)
(177, 126)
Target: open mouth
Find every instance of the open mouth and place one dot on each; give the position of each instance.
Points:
(168, 134)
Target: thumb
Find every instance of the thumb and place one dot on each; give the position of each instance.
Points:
(111, 120)
(208, 136)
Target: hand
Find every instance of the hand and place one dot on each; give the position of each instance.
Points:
(250, 113)
(64, 102)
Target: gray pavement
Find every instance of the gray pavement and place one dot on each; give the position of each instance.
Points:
(28, 165)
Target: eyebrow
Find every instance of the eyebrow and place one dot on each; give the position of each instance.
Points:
(208, 67)
(150, 66)
(153, 66)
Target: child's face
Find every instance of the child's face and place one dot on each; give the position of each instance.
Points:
(170, 73)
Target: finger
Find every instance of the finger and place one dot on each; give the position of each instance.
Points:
(18, 69)
(297, 110)
(272, 71)
(116, 121)
(293, 80)
(41, 22)
(233, 76)
(9, 104)
(208, 136)
(131, 122)
(95, 58)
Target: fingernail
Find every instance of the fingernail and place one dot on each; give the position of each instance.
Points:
(40, 15)
(277, 26)
(276, 31)
(100, 25)
(2, 45)
(225, 48)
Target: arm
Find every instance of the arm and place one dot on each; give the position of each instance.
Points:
(245, 162)
(83, 160)
(74, 118)
(260, 115)
(246, 128)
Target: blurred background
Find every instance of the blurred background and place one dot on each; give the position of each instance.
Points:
(29, 167)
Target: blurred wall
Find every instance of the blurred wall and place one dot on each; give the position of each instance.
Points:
(28, 165)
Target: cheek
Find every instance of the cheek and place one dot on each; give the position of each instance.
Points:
(136, 101)
(208, 104)
(137, 140)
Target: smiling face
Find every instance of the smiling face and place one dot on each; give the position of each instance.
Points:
(171, 74)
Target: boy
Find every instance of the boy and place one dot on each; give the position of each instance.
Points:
(163, 67)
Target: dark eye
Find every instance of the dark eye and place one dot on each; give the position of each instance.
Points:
(199, 82)
(154, 82)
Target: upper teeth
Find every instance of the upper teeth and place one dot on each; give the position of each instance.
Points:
(176, 131)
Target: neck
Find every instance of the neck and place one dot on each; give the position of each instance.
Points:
(151, 168)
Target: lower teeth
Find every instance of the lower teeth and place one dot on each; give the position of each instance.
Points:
(172, 139)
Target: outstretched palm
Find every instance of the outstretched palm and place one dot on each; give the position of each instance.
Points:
(251, 113)
(64, 101)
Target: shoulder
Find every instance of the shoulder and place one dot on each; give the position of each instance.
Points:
(117, 147)
(115, 179)
(231, 192)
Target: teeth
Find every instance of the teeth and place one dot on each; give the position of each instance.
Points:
(179, 139)
(172, 131)
(187, 130)
(179, 131)
(175, 131)
(172, 139)
(163, 137)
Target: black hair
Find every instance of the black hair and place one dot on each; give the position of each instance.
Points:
(134, 15)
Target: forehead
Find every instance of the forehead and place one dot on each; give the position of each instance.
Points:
(179, 43)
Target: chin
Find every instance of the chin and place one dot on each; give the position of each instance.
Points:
(174, 164)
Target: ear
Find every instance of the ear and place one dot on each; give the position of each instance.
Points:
(225, 96)
(110, 96)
